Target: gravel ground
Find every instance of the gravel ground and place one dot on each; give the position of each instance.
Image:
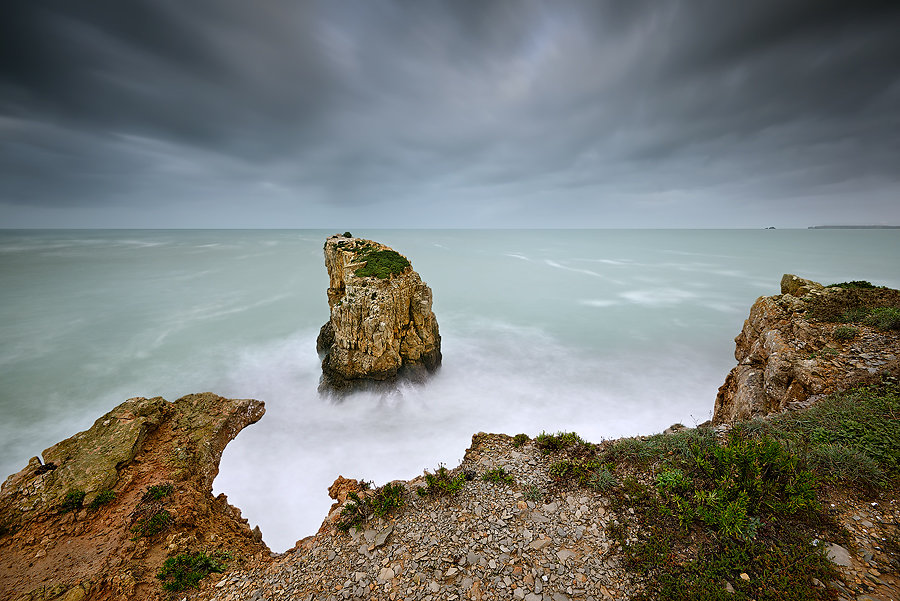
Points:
(528, 541)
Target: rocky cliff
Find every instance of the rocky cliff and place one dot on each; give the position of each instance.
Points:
(381, 325)
(807, 341)
(98, 517)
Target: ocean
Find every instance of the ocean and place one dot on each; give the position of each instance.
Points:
(607, 333)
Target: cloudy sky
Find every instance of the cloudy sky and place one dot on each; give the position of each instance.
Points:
(418, 113)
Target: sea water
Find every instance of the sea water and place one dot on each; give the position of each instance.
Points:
(605, 332)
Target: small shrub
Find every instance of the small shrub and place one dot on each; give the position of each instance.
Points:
(520, 439)
(184, 571)
(386, 499)
(857, 284)
(884, 318)
(102, 498)
(73, 501)
(154, 524)
(498, 476)
(673, 481)
(353, 513)
(380, 503)
(382, 264)
(441, 483)
(157, 492)
(348, 235)
(854, 315)
(845, 333)
(548, 443)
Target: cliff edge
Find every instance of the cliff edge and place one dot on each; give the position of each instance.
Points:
(810, 340)
(106, 507)
(381, 325)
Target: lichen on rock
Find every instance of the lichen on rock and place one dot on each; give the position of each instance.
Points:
(381, 327)
(790, 349)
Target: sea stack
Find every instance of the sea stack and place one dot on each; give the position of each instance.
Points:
(382, 327)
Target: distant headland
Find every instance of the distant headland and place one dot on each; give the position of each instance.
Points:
(853, 227)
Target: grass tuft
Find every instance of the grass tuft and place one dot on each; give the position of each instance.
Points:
(884, 318)
(152, 524)
(73, 501)
(157, 492)
(103, 498)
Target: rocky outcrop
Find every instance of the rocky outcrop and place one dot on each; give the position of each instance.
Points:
(80, 524)
(381, 325)
(796, 345)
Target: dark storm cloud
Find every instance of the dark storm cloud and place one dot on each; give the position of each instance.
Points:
(453, 113)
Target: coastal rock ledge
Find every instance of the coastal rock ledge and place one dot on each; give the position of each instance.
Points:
(99, 516)
(808, 341)
(382, 327)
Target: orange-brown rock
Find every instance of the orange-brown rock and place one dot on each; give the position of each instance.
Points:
(788, 352)
(381, 326)
(84, 549)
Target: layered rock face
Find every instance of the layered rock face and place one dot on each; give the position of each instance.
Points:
(81, 524)
(794, 346)
(381, 326)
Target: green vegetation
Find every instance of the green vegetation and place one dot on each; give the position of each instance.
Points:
(348, 235)
(157, 492)
(712, 510)
(441, 483)
(73, 501)
(855, 284)
(845, 333)
(380, 503)
(733, 487)
(884, 318)
(850, 438)
(102, 498)
(561, 441)
(534, 493)
(498, 475)
(381, 263)
(589, 473)
(152, 524)
(184, 571)
(853, 315)
(520, 439)
(645, 449)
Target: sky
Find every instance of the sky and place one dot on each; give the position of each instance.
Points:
(420, 113)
